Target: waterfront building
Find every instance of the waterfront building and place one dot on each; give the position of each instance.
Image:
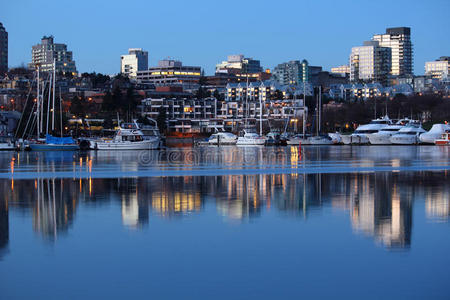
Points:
(292, 72)
(136, 60)
(370, 63)
(439, 68)
(183, 115)
(3, 50)
(344, 69)
(398, 39)
(173, 73)
(238, 64)
(44, 53)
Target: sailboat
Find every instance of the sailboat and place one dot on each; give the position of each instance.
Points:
(249, 136)
(50, 142)
(319, 139)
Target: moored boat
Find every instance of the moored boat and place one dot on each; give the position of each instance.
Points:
(444, 140)
(127, 139)
(250, 137)
(222, 138)
(436, 132)
(408, 135)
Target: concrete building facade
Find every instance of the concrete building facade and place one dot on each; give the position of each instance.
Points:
(439, 68)
(292, 72)
(398, 39)
(370, 63)
(44, 53)
(3, 50)
(238, 64)
(173, 73)
(136, 60)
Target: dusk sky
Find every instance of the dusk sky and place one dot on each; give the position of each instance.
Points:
(203, 33)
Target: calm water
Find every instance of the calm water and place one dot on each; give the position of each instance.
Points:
(226, 223)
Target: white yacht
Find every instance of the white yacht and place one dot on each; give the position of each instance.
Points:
(298, 139)
(319, 140)
(222, 138)
(335, 137)
(361, 134)
(434, 134)
(408, 135)
(250, 137)
(382, 137)
(127, 137)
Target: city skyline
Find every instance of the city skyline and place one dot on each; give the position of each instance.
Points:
(197, 34)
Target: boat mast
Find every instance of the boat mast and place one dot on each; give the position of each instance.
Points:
(320, 109)
(54, 87)
(260, 114)
(60, 111)
(38, 104)
(304, 108)
(48, 102)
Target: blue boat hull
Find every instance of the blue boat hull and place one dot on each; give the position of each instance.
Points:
(54, 147)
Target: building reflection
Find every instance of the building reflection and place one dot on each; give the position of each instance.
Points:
(379, 205)
(4, 226)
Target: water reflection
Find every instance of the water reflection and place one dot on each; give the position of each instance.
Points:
(209, 161)
(379, 205)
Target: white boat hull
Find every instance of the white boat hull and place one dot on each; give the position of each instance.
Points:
(355, 139)
(222, 142)
(380, 139)
(7, 146)
(246, 141)
(297, 141)
(404, 139)
(141, 145)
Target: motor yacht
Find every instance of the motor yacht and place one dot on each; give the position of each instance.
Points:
(319, 140)
(435, 133)
(127, 138)
(361, 134)
(382, 137)
(335, 137)
(250, 137)
(408, 135)
(222, 138)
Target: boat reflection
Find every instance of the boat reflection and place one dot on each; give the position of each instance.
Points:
(379, 204)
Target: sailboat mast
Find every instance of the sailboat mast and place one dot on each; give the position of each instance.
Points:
(38, 103)
(260, 114)
(320, 109)
(48, 102)
(60, 112)
(304, 108)
(54, 88)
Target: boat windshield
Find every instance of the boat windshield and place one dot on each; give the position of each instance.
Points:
(379, 122)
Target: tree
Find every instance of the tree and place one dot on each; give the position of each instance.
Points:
(76, 106)
(218, 95)
(108, 103)
(161, 120)
(202, 93)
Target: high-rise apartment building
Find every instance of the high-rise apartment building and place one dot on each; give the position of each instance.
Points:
(44, 53)
(398, 39)
(238, 64)
(3, 50)
(439, 68)
(292, 72)
(370, 63)
(136, 60)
